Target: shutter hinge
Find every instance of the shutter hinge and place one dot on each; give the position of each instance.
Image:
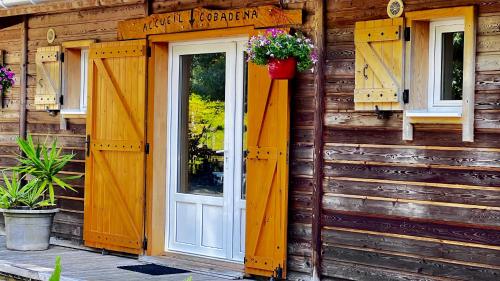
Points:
(148, 51)
(406, 96)
(407, 34)
(61, 99)
(145, 243)
(87, 145)
(61, 57)
(146, 148)
(278, 272)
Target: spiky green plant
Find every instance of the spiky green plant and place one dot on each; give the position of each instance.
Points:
(44, 163)
(16, 194)
(56, 274)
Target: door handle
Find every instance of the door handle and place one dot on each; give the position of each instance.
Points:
(364, 71)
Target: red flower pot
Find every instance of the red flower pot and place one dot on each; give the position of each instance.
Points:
(282, 69)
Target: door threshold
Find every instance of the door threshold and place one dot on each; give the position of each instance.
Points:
(217, 268)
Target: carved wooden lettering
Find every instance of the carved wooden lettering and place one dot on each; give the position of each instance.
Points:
(203, 19)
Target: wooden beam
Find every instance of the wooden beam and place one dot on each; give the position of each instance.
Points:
(63, 5)
(23, 78)
(319, 108)
(206, 19)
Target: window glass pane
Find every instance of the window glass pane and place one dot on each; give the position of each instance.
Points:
(201, 131)
(452, 65)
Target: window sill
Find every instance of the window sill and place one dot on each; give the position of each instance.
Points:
(73, 115)
(425, 117)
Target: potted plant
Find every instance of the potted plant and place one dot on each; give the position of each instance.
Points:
(7, 80)
(27, 198)
(282, 52)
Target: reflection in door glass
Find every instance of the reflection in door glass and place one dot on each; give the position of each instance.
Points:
(201, 129)
(245, 123)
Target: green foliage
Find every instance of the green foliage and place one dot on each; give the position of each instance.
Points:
(56, 274)
(43, 164)
(208, 76)
(14, 194)
(276, 44)
(458, 65)
(206, 130)
(206, 121)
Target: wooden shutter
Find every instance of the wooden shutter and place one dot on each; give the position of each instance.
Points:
(379, 64)
(267, 174)
(115, 164)
(48, 78)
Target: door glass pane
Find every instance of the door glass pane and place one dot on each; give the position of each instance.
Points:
(245, 123)
(452, 65)
(201, 131)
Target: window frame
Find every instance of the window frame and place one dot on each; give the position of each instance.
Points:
(436, 30)
(83, 47)
(466, 119)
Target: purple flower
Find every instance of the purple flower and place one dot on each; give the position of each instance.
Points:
(274, 31)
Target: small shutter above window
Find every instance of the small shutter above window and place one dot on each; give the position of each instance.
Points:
(48, 78)
(379, 64)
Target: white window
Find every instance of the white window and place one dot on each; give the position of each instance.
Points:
(446, 57)
(75, 81)
(84, 62)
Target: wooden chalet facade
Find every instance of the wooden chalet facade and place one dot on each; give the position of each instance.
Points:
(373, 188)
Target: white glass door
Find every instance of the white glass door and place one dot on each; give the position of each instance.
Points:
(205, 149)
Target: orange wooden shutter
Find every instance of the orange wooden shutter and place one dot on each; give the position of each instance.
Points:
(267, 174)
(379, 64)
(48, 78)
(115, 166)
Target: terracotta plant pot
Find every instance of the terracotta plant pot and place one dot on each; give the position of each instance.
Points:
(282, 69)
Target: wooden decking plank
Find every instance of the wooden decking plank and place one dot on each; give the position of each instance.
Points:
(79, 264)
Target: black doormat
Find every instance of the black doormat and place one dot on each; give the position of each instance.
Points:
(153, 269)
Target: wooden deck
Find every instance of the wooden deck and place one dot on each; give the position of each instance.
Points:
(79, 264)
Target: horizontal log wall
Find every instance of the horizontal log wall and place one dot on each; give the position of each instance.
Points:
(422, 210)
(10, 43)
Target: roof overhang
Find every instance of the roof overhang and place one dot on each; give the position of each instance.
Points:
(23, 7)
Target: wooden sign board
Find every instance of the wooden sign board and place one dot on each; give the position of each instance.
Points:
(204, 19)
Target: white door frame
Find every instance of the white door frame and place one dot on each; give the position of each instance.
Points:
(232, 203)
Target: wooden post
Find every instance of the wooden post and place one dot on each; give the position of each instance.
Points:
(319, 26)
(23, 78)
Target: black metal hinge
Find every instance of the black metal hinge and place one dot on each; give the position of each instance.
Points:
(278, 272)
(146, 148)
(145, 243)
(61, 57)
(407, 34)
(87, 145)
(148, 51)
(406, 96)
(61, 99)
